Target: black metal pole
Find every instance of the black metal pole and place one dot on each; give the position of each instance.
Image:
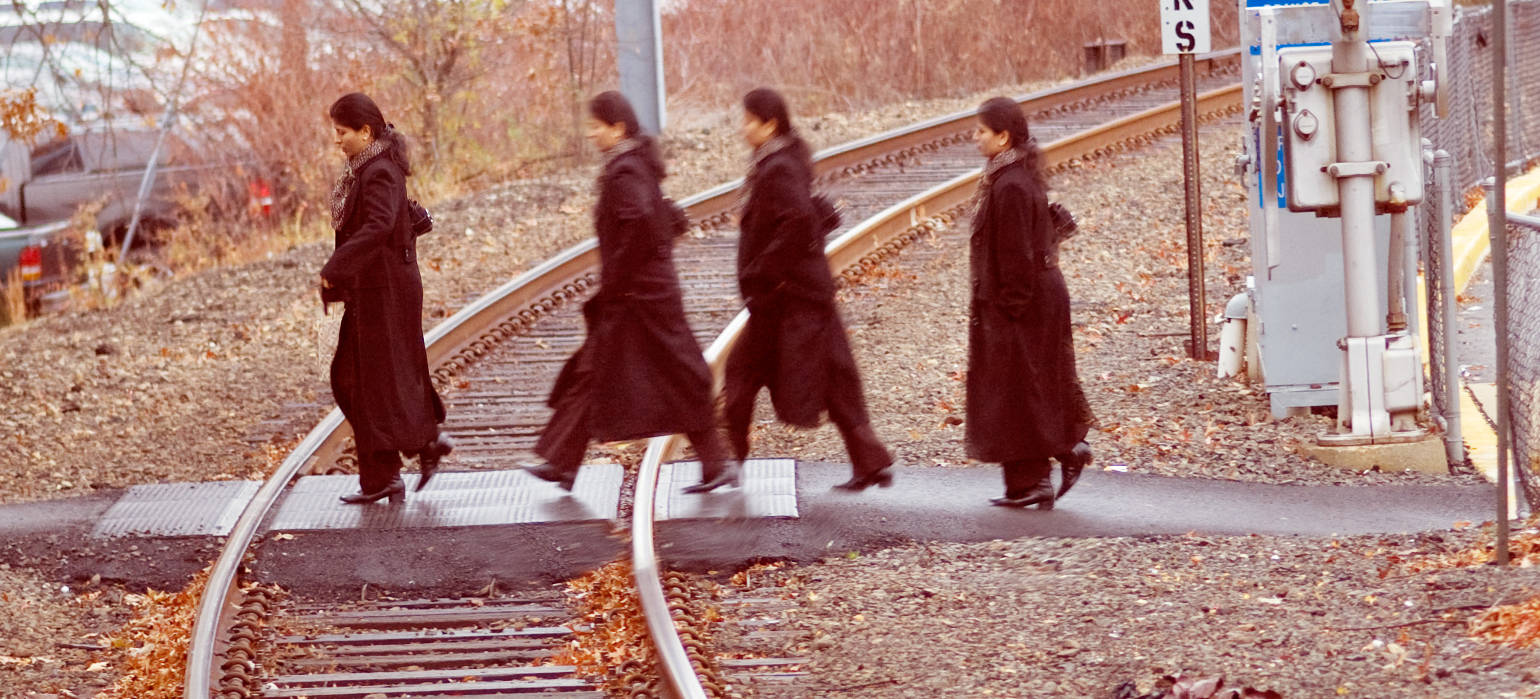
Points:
(1193, 189)
(1497, 211)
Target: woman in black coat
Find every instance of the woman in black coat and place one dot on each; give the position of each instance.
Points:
(1025, 403)
(639, 372)
(794, 343)
(379, 374)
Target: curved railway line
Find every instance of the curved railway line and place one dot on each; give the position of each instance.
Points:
(894, 187)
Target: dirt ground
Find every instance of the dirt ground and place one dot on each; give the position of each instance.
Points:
(1353, 617)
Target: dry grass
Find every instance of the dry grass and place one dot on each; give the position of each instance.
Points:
(13, 300)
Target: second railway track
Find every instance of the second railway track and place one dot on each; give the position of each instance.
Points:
(891, 187)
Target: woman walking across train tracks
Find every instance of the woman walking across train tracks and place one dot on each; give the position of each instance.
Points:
(795, 343)
(379, 374)
(1025, 403)
(639, 372)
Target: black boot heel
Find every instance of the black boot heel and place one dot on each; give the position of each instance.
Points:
(881, 479)
(428, 459)
(547, 472)
(731, 473)
(396, 491)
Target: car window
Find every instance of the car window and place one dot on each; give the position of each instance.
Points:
(7, 222)
(53, 157)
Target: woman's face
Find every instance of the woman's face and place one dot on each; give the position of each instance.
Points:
(990, 142)
(352, 141)
(757, 132)
(605, 136)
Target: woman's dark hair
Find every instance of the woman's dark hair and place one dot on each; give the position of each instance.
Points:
(768, 105)
(355, 110)
(1003, 115)
(613, 108)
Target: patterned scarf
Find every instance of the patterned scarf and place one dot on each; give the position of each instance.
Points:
(775, 145)
(623, 147)
(997, 163)
(349, 176)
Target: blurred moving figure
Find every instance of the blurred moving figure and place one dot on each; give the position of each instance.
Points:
(795, 343)
(639, 372)
(379, 374)
(1025, 403)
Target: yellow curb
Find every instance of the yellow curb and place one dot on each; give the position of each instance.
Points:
(1470, 242)
(1481, 440)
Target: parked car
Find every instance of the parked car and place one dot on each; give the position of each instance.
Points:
(45, 185)
(37, 256)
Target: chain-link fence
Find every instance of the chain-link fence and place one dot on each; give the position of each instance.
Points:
(1466, 134)
(1523, 385)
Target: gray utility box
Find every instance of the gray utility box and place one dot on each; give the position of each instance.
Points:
(1297, 289)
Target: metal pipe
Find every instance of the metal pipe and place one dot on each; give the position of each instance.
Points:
(1356, 145)
(1411, 245)
(1497, 229)
(1395, 316)
(1454, 444)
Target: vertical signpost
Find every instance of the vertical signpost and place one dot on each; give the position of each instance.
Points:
(1184, 30)
(639, 56)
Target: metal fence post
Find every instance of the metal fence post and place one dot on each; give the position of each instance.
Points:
(1454, 443)
(1497, 209)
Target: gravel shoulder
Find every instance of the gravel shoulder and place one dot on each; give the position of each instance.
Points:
(48, 633)
(1078, 618)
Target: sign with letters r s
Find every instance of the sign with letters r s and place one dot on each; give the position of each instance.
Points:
(1184, 26)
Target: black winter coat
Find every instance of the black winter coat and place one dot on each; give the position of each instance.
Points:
(1024, 398)
(794, 333)
(379, 374)
(639, 350)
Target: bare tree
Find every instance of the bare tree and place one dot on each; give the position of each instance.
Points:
(440, 44)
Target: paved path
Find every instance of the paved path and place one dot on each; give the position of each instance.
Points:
(385, 548)
(951, 504)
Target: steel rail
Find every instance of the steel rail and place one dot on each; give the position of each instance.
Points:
(854, 250)
(533, 292)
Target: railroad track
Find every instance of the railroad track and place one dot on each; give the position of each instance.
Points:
(894, 188)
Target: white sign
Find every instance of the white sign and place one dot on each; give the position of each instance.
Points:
(1184, 26)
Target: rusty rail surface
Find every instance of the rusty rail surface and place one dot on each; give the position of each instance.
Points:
(509, 309)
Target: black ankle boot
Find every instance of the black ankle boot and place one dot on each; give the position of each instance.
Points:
(428, 459)
(1040, 495)
(882, 478)
(1071, 465)
(562, 478)
(731, 473)
(396, 491)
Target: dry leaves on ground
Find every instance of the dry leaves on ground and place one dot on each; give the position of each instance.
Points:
(155, 643)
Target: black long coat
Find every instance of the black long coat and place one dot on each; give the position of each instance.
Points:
(1024, 398)
(379, 374)
(639, 351)
(795, 339)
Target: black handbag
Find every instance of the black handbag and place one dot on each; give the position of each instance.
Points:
(675, 220)
(1064, 225)
(826, 216)
(422, 221)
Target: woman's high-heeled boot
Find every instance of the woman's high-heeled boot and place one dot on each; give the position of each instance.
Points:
(396, 491)
(1040, 495)
(563, 478)
(882, 478)
(1071, 464)
(731, 473)
(428, 459)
